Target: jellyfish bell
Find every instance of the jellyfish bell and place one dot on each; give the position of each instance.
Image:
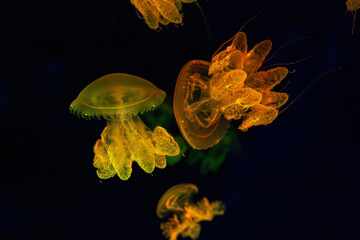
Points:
(173, 200)
(119, 98)
(196, 114)
(117, 95)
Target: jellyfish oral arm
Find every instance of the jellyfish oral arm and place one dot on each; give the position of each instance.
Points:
(128, 139)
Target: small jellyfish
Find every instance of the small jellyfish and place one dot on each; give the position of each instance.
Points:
(162, 12)
(119, 98)
(185, 215)
(352, 6)
(209, 95)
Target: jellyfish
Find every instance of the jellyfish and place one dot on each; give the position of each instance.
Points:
(162, 12)
(185, 215)
(353, 6)
(119, 98)
(208, 95)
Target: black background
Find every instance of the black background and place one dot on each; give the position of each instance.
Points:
(297, 178)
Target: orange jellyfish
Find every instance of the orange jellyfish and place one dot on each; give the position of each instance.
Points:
(162, 12)
(119, 98)
(185, 214)
(209, 95)
(353, 6)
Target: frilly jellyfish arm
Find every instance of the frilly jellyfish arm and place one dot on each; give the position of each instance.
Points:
(102, 161)
(173, 227)
(267, 80)
(237, 106)
(200, 211)
(129, 140)
(148, 11)
(352, 5)
(258, 115)
(192, 230)
(167, 10)
(222, 86)
(218, 207)
(273, 99)
(256, 56)
(239, 43)
(231, 61)
(160, 11)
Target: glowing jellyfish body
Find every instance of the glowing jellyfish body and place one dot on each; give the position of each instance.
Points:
(119, 98)
(185, 214)
(162, 12)
(231, 87)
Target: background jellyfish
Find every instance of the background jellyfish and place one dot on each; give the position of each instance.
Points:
(162, 12)
(119, 98)
(209, 95)
(352, 6)
(185, 215)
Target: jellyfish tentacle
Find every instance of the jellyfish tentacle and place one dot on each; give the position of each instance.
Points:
(205, 120)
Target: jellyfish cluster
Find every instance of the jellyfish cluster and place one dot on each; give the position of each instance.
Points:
(183, 213)
(208, 95)
(233, 87)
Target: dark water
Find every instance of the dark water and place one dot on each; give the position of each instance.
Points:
(296, 178)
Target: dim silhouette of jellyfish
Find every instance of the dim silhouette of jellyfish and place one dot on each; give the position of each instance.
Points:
(209, 95)
(352, 6)
(119, 98)
(157, 12)
(185, 215)
(163, 12)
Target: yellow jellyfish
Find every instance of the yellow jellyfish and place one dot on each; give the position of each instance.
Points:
(119, 98)
(162, 12)
(185, 215)
(353, 6)
(209, 95)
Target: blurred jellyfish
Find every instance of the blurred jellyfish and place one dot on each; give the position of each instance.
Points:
(352, 6)
(185, 215)
(209, 95)
(162, 12)
(119, 98)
